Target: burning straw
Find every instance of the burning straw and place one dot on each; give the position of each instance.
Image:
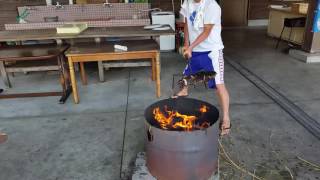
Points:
(171, 119)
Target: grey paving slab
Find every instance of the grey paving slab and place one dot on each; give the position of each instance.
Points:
(30, 82)
(267, 141)
(95, 97)
(252, 48)
(143, 90)
(311, 107)
(134, 140)
(82, 147)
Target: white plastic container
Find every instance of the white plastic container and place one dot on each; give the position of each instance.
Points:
(167, 43)
(49, 2)
(72, 28)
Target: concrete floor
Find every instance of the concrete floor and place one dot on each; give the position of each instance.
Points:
(49, 141)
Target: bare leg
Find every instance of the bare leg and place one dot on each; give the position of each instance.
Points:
(223, 96)
(183, 91)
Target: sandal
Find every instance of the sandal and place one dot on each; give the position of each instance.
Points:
(220, 127)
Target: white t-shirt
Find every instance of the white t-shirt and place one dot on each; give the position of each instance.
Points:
(211, 15)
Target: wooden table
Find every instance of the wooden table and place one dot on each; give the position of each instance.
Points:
(93, 32)
(38, 53)
(137, 49)
(276, 23)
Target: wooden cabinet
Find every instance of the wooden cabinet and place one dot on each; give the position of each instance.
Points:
(258, 9)
(234, 12)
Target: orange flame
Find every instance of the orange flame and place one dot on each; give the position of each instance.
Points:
(176, 120)
(204, 109)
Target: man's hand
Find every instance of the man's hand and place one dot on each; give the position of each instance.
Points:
(187, 52)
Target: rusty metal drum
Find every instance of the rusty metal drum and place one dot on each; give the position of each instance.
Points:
(182, 155)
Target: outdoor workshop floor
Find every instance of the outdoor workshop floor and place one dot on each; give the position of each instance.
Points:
(49, 141)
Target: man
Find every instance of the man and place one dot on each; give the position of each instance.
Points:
(203, 48)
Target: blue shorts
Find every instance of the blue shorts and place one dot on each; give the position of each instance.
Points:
(207, 61)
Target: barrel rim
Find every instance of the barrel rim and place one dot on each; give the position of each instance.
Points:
(150, 108)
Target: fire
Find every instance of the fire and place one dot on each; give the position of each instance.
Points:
(204, 109)
(175, 120)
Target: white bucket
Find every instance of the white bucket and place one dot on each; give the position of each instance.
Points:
(49, 2)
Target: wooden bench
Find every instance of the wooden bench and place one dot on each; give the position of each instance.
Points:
(35, 58)
(120, 64)
(137, 49)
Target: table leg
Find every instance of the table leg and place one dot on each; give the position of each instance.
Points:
(76, 67)
(153, 69)
(65, 71)
(64, 80)
(101, 71)
(158, 87)
(66, 91)
(84, 79)
(4, 75)
(73, 81)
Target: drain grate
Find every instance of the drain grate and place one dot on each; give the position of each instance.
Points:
(286, 104)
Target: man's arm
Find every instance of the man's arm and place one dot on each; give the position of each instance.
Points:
(186, 33)
(203, 36)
